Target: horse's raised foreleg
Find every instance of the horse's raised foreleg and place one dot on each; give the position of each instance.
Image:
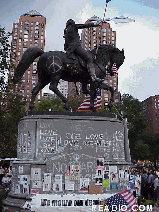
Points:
(53, 87)
(111, 89)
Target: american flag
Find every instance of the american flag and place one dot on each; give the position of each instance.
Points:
(85, 106)
(115, 70)
(122, 199)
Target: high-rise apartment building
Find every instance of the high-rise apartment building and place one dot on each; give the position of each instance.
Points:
(151, 113)
(28, 32)
(95, 36)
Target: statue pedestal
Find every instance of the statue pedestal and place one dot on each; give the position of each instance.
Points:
(67, 153)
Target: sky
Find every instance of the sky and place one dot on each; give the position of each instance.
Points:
(138, 75)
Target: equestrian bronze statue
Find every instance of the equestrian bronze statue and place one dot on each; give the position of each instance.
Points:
(76, 65)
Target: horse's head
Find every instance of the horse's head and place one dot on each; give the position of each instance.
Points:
(108, 55)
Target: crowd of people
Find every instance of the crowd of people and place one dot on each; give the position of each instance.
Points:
(6, 177)
(144, 181)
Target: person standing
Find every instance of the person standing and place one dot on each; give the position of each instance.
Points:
(6, 182)
(1, 173)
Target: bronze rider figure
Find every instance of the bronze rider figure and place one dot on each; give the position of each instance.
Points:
(73, 45)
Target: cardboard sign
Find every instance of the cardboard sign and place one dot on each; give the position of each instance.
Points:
(95, 189)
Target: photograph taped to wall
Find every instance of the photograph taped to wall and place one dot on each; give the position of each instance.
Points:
(47, 178)
(114, 178)
(17, 189)
(46, 186)
(57, 185)
(26, 189)
(20, 169)
(36, 173)
(84, 183)
(75, 172)
(24, 179)
(69, 185)
(100, 162)
(36, 184)
(113, 169)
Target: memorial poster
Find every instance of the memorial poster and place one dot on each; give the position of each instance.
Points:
(57, 185)
(17, 189)
(75, 172)
(69, 185)
(36, 173)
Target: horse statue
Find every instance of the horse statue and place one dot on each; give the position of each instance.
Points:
(54, 65)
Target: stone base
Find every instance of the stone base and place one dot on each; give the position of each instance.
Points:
(66, 154)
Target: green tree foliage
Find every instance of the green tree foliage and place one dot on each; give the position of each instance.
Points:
(153, 142)
(131, 109)
(76, 101)
(141, 150)
(12, 104)
(54, 104)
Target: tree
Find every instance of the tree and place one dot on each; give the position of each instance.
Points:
(12, 103)
(75, 101)
(55, 104)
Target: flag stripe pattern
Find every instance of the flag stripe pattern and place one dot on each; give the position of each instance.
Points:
(85, 106)
(121, 199)
(115, 70)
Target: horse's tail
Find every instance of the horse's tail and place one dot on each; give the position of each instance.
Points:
(27, 59)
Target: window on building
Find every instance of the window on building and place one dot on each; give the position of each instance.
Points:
(25, 44)
(26, 32)
(16, 25)
(26, 22)
(36, 36)
(25, 39)
(25, 36)
(37, 23)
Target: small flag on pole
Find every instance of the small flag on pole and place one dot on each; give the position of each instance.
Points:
(85, 106)
(106, 7)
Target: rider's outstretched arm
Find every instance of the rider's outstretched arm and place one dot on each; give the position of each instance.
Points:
(87, 25)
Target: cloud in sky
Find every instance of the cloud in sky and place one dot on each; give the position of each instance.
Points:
(139, 39)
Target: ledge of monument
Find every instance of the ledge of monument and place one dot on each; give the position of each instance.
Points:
(109, 115)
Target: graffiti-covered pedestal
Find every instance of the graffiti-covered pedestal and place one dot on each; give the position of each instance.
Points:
(59, 154)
